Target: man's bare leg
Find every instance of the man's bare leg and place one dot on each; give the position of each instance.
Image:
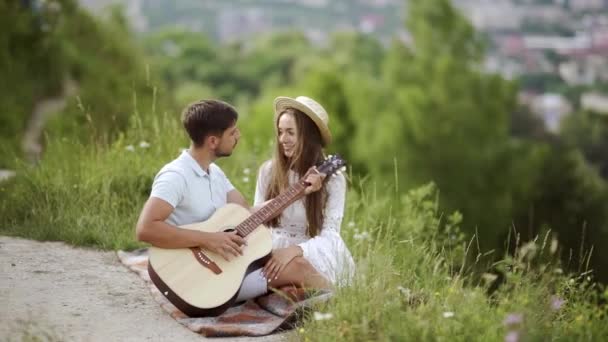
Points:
(301, 273)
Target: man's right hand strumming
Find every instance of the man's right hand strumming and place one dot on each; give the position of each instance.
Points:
(226, 244)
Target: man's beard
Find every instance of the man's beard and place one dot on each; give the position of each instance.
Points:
(219, 154)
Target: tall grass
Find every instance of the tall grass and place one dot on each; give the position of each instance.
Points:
(412, 283)
(91, 194)
(414, 278)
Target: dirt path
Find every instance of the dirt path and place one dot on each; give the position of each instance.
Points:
(74, 294)
(43, 110)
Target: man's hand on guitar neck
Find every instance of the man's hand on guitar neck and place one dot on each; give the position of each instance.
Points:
(228, 245)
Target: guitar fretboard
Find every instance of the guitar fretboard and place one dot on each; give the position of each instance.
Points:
(271, 209)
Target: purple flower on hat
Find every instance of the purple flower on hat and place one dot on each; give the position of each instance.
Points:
(557, 303)
(513, 319)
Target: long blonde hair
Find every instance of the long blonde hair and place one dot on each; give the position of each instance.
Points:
(303, 158)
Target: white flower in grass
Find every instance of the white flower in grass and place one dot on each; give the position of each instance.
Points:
(512, 336)
(351, 224)
(144, 144)
(246, 179)
(448, 314)
(319, 316)
(361, 236)
(246, 171)
(405, 291)
(513, 319)
(130, 148)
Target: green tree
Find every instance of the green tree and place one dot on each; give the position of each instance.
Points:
(43, 46)
(450, 121)
(588, 131)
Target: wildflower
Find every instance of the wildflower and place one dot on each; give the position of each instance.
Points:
(512, 336)
(130, 148)
(513, 319)
(556, 303)
(319, 316)
(351, 224)
(245, 179)
(144, 144)
(489, 277)
(53, 7)
(448, 314)
(361, 236)
(405, 291)
(246, 171)
(301, 330)
(553, 247)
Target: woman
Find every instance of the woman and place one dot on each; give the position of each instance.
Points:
(309, 229)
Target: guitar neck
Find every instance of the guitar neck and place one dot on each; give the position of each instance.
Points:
(273, 208)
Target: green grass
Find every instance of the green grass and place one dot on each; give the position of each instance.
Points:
(417, 276)
(409, 287)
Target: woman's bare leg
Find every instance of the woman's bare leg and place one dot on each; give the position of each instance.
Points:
(301, 273)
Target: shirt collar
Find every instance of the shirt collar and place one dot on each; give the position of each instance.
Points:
(191, 162)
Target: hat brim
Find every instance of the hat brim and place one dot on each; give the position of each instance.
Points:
(282, 102)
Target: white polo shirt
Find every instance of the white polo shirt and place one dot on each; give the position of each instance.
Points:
(194, 193)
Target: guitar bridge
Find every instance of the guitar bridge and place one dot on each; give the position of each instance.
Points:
(204, 260)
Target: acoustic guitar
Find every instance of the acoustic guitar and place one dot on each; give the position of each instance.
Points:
(202, 283)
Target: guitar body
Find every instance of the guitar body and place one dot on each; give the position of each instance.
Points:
(197, 289)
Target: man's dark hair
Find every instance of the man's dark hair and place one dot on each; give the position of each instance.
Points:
(207, 117)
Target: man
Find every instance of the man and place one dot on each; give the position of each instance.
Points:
(190, 188)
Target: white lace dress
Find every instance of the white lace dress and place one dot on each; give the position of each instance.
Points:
(327, 252)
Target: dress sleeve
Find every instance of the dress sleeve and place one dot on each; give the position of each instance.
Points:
(262, 183)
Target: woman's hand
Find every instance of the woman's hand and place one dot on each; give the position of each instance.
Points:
(314, 179)
(278, 260)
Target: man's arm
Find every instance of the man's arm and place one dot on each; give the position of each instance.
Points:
(234, 196)
(152, 228)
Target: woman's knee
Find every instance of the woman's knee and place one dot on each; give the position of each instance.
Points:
(295, 273)
(300, 263)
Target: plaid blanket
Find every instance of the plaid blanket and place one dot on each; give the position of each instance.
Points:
(256, 317)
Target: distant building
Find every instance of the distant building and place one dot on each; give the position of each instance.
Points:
(545, 13)
(506, 67)
(493, 15)
(233, 24)
(314, 3)
(587, 5)
(557, 43)
(370, 23)
(551, 108)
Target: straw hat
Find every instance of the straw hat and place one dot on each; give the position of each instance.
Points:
(309, 107)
